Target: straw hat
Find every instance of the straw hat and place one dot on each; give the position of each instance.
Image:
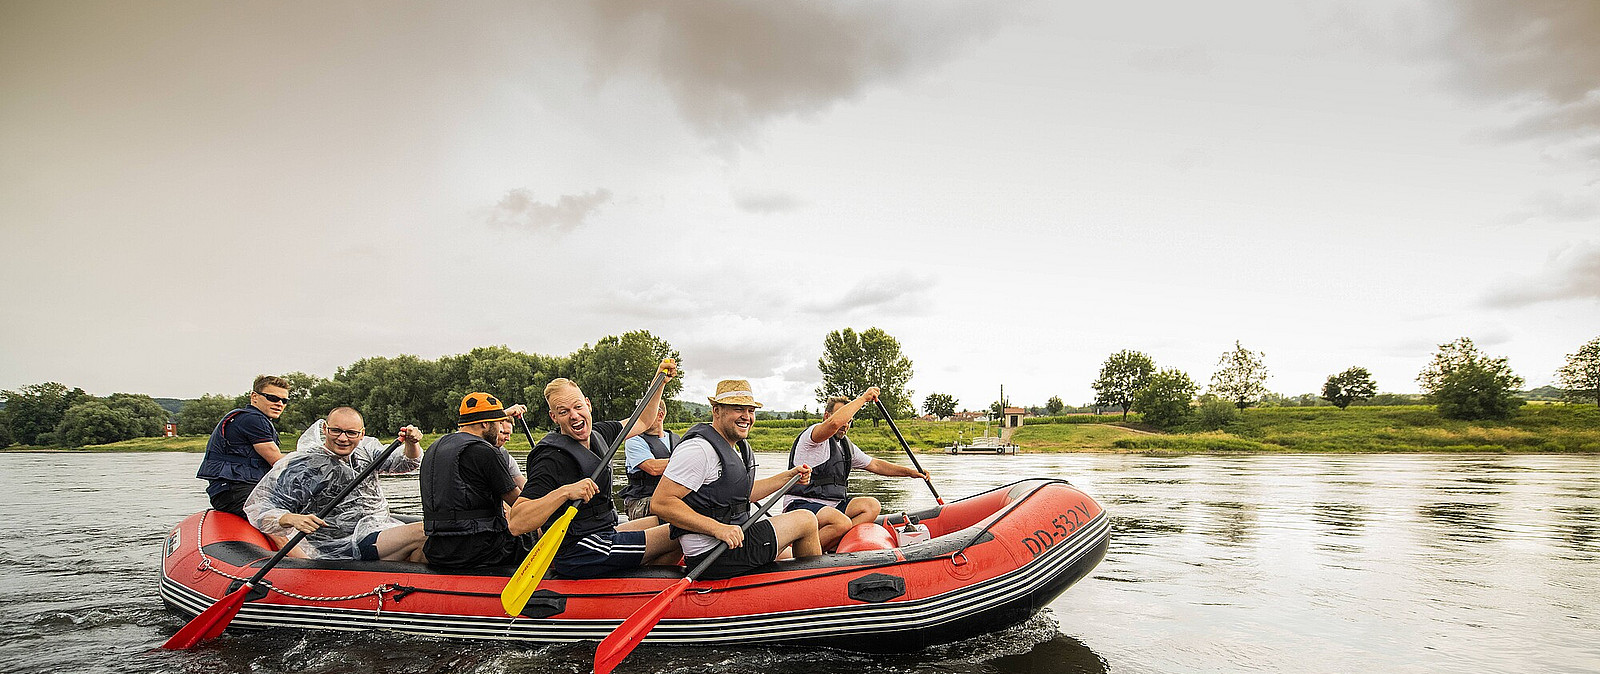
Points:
(734, 392)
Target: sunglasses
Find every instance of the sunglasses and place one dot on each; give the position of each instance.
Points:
(272, 398)
(336, 432)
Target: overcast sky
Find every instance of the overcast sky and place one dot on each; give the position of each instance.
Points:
(195, 193)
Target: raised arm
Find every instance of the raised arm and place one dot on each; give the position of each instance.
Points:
(842, 415)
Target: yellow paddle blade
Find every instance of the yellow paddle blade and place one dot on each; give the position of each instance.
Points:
(526, 579)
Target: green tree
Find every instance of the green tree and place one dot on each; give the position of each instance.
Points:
(1241, 377)
(389, 393)
(200, 416)
(853, 362)
(513, 376)
(939, 404)
(616, 370)
(302, 409)
(1054, 406)
(1164, 401)
(6, 439)
(93, 422)
(1122, 376)
(1214, 414)
(150, 417)
(1580, 377)
(37, 409)
(1466, 384)
(1352, 385)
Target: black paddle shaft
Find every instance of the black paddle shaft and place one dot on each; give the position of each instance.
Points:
(907, 447)
(722, 546)
(326, 510)
(659, 381)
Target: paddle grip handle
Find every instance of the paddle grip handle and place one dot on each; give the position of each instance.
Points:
(326, 510)
(722, 546)
(914, 462)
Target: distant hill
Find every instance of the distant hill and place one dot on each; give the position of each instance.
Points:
(1543, 393)
(171, 404)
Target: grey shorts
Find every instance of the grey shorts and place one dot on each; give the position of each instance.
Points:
(638, 508)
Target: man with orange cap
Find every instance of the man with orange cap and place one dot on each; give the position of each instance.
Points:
(465, 487)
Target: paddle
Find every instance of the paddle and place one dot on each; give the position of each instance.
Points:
(522, 583)
(212, 621)
(885, 411)
(617, 645)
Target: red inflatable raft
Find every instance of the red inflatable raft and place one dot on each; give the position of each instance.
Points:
(993, 560)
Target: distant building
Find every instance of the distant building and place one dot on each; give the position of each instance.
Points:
(1013, 417)
(170, 430)
(967, 416)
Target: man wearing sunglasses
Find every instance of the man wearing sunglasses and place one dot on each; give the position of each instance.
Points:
(327, 458)
(244, 445)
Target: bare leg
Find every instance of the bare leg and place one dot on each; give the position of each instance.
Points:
(863, 509)
(402, 542)
(281, 541)
(797, 528)
(832, 526)
(639, 524)
(659, 546)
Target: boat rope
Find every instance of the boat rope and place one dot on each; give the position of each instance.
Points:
(207, 565)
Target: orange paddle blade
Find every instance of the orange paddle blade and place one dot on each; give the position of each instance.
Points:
(210, 623)
(622, 640)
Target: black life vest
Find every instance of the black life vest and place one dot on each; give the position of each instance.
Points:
(243, 463)
(598, 514)
(449, 506)
(640, 483)
(727, 498)
(830, 480)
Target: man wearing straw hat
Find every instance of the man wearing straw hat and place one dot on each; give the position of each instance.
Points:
(710, 481)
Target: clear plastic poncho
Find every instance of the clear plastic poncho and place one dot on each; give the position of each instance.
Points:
(304, 481)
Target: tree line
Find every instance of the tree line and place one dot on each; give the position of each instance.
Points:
(395, 391)
(1462, 381)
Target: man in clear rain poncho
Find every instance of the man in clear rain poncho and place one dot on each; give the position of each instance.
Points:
(329, 455)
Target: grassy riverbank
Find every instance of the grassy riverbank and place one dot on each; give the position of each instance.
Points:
(1411, 428)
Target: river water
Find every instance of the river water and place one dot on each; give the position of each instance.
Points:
(1348, 563)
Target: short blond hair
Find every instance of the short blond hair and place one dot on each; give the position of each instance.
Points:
(557, 384)
(266, 380)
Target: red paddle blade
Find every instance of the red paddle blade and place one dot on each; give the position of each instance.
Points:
(617, 645)
(210, 622)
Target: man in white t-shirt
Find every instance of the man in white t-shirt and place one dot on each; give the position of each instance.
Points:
(827, 448)
(710, 481)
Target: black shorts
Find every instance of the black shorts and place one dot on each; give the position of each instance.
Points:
(760, 547)
(231, 499)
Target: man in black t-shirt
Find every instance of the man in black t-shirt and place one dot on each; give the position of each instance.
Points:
(558, 472)
(465, 486)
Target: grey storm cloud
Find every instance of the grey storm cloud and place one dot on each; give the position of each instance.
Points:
(1541, 58)
(1573, 277)
(730, 65)
(519, 210)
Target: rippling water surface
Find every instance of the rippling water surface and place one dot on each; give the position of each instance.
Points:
(1217, 563)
